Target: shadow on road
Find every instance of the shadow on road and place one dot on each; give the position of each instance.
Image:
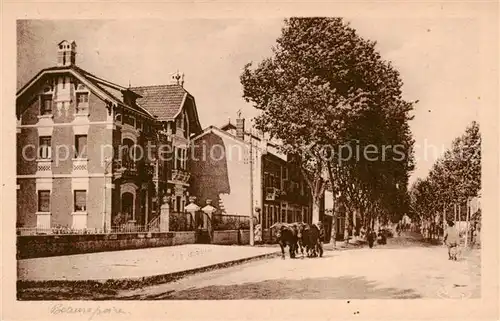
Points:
(317, 288)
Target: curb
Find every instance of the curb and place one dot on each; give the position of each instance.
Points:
(134, 283)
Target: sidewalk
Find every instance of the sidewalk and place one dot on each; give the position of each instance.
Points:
(136, 265)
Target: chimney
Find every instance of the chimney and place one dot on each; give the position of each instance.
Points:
(66, 53)
(240, 126)
(177, 78)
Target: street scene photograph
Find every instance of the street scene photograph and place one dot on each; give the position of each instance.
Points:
(249, 159)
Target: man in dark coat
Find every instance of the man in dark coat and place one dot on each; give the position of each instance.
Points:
(371, 236)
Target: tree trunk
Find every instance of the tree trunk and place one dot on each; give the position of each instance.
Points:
(346, 227)
(333, 234)
(315, 212)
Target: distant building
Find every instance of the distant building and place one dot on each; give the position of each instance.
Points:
(69, 125)
(221, 172)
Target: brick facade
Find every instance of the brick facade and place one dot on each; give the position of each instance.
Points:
(72, 126)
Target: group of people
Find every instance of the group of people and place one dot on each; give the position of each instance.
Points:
(372, 236)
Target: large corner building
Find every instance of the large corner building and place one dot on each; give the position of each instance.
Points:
(78, 165)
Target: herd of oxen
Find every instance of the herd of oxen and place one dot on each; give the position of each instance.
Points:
(301, 238)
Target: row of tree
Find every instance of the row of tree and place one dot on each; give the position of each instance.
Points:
(335, 104)
(454, 178)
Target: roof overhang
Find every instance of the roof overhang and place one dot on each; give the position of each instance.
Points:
(96, 90)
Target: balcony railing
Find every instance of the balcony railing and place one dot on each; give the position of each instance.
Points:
(150, 169)
(129, 165)
(44, 166)
(80, 164)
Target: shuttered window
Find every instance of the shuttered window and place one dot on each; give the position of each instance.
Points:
(43, 201)
(80, 201)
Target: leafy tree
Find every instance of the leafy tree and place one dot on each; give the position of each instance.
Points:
(324, 89)
(454, 178)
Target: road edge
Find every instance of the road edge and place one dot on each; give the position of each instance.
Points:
(110, 285)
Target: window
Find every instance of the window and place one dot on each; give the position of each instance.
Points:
(179, 158)
(129, 120)
(81, 146)
(185, 128)
(82, 103)
(80, 200)
(178, 204)
(45, 147)
(173, 127)
(179, 123)
(184, 159)
(46, 105)
(43, 201)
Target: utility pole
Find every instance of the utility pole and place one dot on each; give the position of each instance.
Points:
(251, 188)
(107, 163)
(467, 223)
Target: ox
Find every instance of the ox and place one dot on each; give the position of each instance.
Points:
(286, 235)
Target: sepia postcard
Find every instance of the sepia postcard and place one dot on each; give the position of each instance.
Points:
(276, 161)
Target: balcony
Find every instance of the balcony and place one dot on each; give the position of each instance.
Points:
(125, 169)
(44, 167)
(149, 169)
(179, 175)
(272, 193)
(80, 165)
(129, 165)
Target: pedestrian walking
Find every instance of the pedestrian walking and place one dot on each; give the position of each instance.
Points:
(371, 236)
(321, 237)
(451, 239)
(258, 233)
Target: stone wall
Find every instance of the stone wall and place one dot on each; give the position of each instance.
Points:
(230, 237)
(55, 245)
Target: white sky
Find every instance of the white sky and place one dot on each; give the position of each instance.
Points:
(440, 61)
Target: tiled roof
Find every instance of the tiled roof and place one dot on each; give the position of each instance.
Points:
(164, 101)
(112, 90)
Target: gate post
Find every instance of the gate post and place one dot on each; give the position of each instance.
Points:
(165, 215)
